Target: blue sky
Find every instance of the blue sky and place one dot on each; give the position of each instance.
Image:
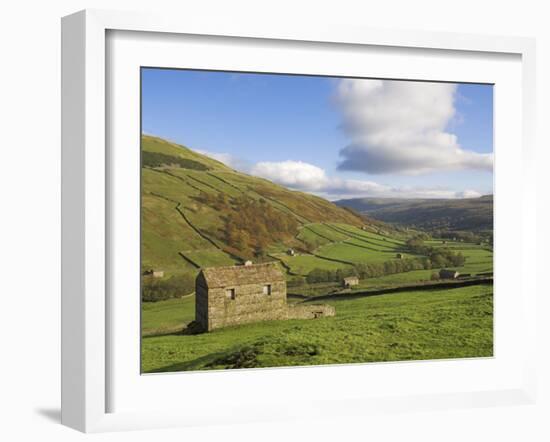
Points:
(330, 136)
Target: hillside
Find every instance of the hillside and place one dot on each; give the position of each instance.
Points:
(470, 214)
(198, 212)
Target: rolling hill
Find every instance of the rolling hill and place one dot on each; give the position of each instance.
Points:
(471, 214)
(198, 212)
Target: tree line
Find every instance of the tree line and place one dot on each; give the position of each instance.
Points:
(438, 256)
(157, 159)
(157, 289)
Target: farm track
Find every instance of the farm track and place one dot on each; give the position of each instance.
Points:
(404, 288)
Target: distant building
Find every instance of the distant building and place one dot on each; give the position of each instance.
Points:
(154, 273)
(291, 252)
(350, 281)
(234, 295)
(448, 274)
(399, 256)
(247, 263)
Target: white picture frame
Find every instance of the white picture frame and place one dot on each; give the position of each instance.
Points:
(87, 210)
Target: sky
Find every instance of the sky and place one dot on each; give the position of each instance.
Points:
(334, 137)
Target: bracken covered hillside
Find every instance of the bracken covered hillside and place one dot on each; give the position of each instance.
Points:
(197, 212)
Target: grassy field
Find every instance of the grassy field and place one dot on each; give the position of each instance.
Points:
(170, 316)
(190, 204)
(302, 264)
(336, 249)
(435, 324)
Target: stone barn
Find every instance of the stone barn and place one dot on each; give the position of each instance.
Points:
(243, 294)
(448, 274)
(239, 294)
(154, 273)
(350, 281)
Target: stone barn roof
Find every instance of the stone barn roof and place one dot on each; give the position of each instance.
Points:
(216, 277)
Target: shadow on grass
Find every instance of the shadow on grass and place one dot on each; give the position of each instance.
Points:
(196, 364)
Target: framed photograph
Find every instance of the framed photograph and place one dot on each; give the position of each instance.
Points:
(289, 222)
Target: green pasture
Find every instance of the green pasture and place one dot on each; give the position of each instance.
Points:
(170, 316)
(452, 323)
(367, 234)
(164, 233)
(303, 264)
(340, 245)
(354, 253)
(209, 257)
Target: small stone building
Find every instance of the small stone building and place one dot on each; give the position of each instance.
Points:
(154, 273)
(448, 274)
(242, 294)
(350, 281)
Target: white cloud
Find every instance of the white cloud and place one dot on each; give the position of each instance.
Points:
(227, 159)
(295, 174)
(399, 127)
(468, 194)
(307, 177)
